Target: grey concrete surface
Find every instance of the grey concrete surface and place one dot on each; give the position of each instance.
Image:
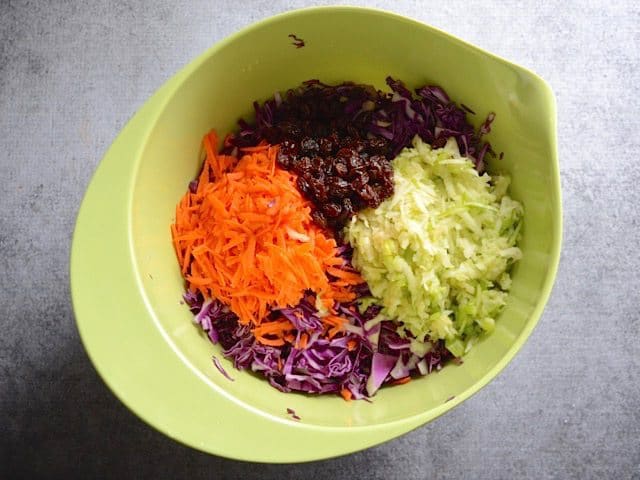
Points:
(72, 73)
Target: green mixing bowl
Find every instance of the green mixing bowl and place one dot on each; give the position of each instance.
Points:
(127, 288)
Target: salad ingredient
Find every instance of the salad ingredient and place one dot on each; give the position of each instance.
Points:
(296, 42)
(381, 366)
(434, 117)
(436, 254)
(244, 236)
(221, 369)
(340, 175)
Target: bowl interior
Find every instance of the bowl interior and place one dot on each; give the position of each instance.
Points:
(362, 46)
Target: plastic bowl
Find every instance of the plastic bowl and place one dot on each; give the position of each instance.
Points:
(127, 288)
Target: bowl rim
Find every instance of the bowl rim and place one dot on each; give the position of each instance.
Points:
(100, 336)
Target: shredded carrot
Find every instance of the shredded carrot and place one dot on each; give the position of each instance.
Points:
(272, 327)
(277, 342)
(246, 238)
(401, 381)
(258, 148)
(346, 394)
(343, 274)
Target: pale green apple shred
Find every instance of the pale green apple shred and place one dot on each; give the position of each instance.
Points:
(437, 254)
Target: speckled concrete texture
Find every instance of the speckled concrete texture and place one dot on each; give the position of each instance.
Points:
(568, 406)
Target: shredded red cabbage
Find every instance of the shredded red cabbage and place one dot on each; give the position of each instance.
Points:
(220, 368)
(324, 366)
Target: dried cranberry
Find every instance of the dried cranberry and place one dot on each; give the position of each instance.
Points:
(341, 168)
(331, 210)
(355, 162)
(318, 217)
(345, 152)
(358, 146)
(317, 163)
(317, 174)
(360, 180)
(387, 169)
(347, 207)
(309, 145)
(303, 165)
(377, 145)
(338, 187)
(369, 195)
(284, 160)
(334, 138)
(289, 147)
(325, 145)
(303, 186)
(290, 129)
(318, 189)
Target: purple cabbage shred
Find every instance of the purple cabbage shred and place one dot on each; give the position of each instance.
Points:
(325, 365)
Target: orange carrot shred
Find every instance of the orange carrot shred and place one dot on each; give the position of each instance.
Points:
(246, 238)
(274, 342)
(346, 394)
(401, 381)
